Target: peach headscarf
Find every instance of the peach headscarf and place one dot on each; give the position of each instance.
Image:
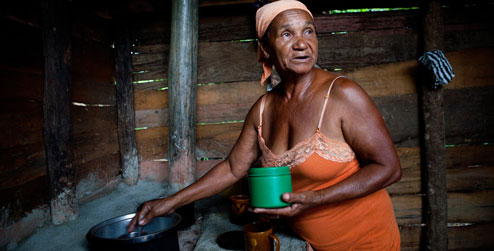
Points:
(264, 17)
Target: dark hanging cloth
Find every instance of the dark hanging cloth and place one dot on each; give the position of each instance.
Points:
(438, 65)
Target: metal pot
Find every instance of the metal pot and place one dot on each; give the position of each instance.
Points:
(159, 234)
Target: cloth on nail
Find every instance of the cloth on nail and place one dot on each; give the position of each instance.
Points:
(436, 62)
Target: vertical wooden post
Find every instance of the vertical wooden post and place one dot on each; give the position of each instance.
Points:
(434, 152)
(182, 78)
(125, 103)
(57, 120)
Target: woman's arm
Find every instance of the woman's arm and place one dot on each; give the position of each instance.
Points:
(364, 130)
(243, 154)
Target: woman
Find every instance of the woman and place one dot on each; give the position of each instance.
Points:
(319, 124)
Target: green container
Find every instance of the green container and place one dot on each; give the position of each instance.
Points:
(267, 185)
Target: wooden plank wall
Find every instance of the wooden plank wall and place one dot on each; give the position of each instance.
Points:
(379, 51)
(24, 185)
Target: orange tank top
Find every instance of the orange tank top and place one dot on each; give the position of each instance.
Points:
(318, 162)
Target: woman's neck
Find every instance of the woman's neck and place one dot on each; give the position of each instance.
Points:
(295, 86)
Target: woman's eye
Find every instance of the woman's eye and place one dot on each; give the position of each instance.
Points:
(285, 34)
(308, 31)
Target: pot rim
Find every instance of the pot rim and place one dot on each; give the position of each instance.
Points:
(177, 218)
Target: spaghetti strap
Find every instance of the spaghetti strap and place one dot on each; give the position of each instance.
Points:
(326, 102)
(261, 111)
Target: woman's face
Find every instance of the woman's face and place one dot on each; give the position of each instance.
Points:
(293, 42)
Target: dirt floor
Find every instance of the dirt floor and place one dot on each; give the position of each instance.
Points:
(212, 221)
(123, 200)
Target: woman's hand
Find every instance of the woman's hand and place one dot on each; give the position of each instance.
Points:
(300, 202)
(150, 209)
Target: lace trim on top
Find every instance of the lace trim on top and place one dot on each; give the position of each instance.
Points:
(318, 143)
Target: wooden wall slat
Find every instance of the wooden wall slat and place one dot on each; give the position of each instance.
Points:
(410, 237)
(215, 103)
(217, 62)
(370, 39)
(376, 23)
(155, 29)
(472, 207)
(95, 133)
(400, 78)
(408, 208)
(224, 93)
(354, 50)
(469, 115)
(16, 86)
(472, 237)
(92, 80)
(469, 168)
(152, 143)
(401, 116)
(23, 167)
(27, 59)
(411, 172)
(21, 124)
(463, 123)
(150, 99)
(213, 141)
(378, 81)
(96, 174)
(19, 200)
(86, 25)
(205, 114)
(29, 171)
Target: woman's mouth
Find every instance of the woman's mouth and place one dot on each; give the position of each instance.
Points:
(302, 58)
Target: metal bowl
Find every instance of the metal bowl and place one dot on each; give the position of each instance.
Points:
(114, 231)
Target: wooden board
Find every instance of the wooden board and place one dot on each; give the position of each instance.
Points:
(215, 103)
(155, 28)
(96, 175)
(470, 237)
(27, 59)
(401, 116)
(400, 78)
(21, 123)
(18, 201)
(469, 115)
(361, 39)
(92, 79)
(20, 86)
(213, 141)
(474, 237)
(469, 169)
(217, 62)
(95, 133)
(472, 207)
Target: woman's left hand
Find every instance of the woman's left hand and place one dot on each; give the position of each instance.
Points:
(300, 202)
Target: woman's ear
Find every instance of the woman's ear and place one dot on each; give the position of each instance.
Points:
(264, 51)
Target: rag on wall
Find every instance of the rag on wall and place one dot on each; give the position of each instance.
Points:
(436, 62)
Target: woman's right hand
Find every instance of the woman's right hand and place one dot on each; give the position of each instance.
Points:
(150, 209)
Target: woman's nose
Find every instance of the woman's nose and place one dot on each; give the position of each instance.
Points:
(300, 43)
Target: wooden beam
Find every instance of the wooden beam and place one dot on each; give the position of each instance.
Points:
(182, 73)
(434, 151)
(57, 120)
(125, 104)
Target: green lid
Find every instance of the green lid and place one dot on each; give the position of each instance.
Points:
(269, 171)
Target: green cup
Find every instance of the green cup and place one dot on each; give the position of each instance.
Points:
(267, 185)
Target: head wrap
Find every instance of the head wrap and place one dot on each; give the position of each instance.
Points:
(264, 17)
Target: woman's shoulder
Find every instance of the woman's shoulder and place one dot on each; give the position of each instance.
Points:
(344, 89)
(255, 110)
